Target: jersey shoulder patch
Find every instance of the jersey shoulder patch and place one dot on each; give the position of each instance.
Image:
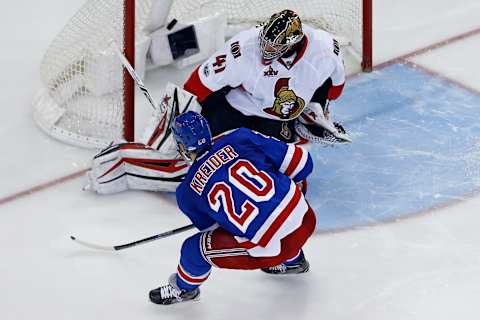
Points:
(243, 43)
(235, 49)
(336, 47)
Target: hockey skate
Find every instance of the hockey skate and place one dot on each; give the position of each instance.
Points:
(170, 293)
(301, 266)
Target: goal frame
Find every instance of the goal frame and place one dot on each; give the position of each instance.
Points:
(367, 41)
(129, 84)
(50, 109)
(129, 52)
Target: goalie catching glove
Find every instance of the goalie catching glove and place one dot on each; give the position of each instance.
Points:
(316, 125)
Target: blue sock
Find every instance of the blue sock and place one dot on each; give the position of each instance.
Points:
(193, 269)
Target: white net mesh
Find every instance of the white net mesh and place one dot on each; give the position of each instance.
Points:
(340, 17)
(82, 98)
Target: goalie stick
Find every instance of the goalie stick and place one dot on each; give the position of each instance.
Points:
(136, 78)
(146, 92)
(134, 243)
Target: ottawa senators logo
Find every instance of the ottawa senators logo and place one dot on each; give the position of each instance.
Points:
(287, 104)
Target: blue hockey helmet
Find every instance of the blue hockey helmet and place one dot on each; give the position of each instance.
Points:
(192, 133)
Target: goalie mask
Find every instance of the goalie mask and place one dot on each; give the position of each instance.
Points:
(192, 134)
(280, 33)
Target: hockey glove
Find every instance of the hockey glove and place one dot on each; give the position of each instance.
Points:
(316, 125)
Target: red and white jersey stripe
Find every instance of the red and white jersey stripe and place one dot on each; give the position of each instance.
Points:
(286, 218)
(295, 160)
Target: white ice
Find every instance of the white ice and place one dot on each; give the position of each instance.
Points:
(425, 267)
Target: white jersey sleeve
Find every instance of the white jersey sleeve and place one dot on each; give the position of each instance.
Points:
(220, 70)
(226, 67)
(329, 62)
(338, 74)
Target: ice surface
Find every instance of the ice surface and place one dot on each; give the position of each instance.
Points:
(416, 145)
(425, 267)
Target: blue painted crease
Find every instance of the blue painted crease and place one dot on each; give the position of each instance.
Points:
(416, 145)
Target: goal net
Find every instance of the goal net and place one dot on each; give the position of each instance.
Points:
(87, 98)
(343, 18)
(84, 99)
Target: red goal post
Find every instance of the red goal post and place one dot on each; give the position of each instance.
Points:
(87, 98)
(367, 36)
(129, 84)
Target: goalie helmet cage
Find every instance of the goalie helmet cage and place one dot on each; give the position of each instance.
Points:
(87, 98)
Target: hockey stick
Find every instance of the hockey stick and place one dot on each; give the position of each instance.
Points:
(135, 77)
(135, 243)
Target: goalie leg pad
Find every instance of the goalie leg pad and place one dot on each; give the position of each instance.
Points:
(154, 164)
(158, 133)
(134, 166)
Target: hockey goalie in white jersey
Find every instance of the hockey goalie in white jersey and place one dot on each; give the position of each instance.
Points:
(276, 78)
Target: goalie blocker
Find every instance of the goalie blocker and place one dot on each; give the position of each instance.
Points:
(153, 164)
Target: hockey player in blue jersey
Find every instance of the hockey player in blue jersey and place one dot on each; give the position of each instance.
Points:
(242, 193)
